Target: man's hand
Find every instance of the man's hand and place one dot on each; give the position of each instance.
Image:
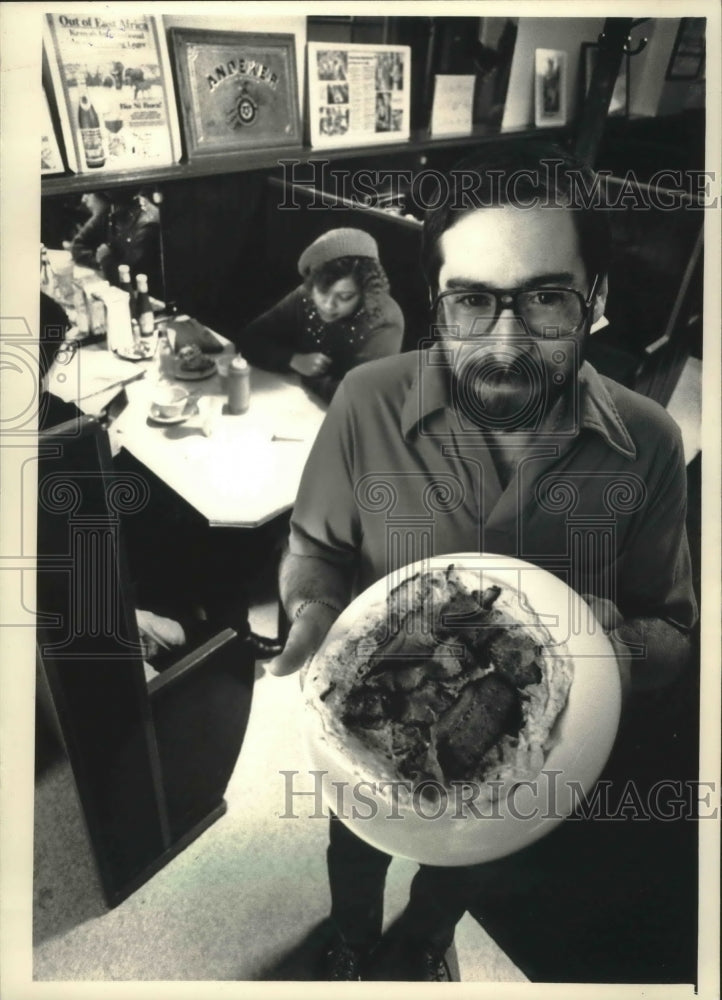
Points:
(612, 623)
(307, 633)
(310, 364)
(661, 652)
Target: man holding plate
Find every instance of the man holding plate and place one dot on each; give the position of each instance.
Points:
(502, 413)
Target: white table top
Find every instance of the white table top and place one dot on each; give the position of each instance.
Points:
(234, 470)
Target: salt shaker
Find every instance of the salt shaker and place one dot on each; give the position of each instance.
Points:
(239, 385)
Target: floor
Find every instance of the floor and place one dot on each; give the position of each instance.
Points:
(246, 901)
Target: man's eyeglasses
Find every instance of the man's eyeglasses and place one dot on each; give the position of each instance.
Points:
(545, 311)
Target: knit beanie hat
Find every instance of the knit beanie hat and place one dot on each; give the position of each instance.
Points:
(337, 243)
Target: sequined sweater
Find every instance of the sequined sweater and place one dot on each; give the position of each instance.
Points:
(293, 326)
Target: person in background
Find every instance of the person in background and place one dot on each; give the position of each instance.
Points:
(341, 316)
(123, 228)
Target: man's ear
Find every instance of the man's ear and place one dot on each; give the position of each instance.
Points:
(600, 300)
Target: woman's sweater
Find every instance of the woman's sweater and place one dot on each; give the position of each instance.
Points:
(293, 326)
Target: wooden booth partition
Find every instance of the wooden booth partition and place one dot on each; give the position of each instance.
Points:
(151, 761)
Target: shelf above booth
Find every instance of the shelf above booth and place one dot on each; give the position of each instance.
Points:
(268, 159)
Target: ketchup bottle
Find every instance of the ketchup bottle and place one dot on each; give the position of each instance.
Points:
(239, 385)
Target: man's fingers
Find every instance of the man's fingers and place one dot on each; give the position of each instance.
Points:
(606, 612)
(305, 637)
(281, 665)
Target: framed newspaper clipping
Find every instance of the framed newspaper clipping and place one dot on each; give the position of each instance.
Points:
(358, 94)
(237, 90)
(112, 82)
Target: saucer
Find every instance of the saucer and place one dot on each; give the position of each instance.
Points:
(191, 410)
(133, 354)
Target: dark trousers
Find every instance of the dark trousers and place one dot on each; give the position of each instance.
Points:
(600, 898)
(438, 899)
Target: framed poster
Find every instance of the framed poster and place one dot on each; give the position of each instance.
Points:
(237, 90)
(51, 162)
(550, 87)
(112, 82)
(687, 57)
(358, 94)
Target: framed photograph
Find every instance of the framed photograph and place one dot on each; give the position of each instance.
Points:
(237, 90)
(588, 61)
(687, 59)
(550, 87)
(358, 94)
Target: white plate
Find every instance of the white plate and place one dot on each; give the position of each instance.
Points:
(191, 410)
(585, 734)
(191, 376)
(132, 355)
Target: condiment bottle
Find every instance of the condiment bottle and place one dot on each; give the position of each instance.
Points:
(239, 385)
(82, 310)
(143, 308)
(48, 283)
(95, 292)
(126, 285)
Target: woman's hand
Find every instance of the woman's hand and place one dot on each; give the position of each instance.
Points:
(310, 364)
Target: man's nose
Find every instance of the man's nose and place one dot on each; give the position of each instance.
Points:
(509, 327)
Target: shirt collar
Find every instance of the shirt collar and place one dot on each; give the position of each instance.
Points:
(429, 392)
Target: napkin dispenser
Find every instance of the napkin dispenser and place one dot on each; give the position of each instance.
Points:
(120, 333)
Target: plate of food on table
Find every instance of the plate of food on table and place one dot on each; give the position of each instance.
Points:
(191, 363)
(142, 349)
(457, 710)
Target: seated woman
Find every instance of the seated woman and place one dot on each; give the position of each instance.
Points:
(341, 316)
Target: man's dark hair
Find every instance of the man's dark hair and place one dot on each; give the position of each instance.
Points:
(521, 173)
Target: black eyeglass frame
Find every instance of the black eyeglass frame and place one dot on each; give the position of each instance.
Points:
(505, 297)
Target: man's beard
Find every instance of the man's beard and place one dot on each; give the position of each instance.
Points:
(505, 390)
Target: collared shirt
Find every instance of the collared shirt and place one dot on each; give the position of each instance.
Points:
(397, 473)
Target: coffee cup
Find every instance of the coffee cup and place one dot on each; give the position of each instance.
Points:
(170, 401)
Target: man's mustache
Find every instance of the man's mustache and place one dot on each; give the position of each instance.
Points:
(501, 367)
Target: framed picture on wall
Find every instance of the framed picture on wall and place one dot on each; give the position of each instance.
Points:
(51, 162)
(550, 87)
(111, 80)
(358, 94)
(237, 90)
(688, 54)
